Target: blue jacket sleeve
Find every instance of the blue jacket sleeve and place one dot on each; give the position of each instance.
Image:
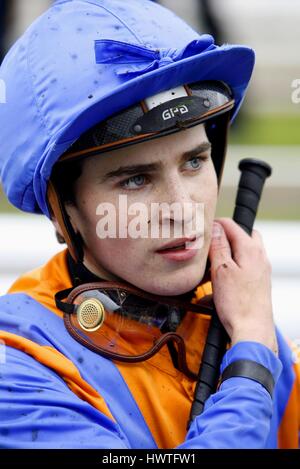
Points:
(39, 411)
(238, 415)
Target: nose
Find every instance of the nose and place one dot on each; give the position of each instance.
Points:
(177, 206)
(177, 190)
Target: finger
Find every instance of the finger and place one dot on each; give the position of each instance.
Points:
(258, 240)
(219, 252)
(239, 240)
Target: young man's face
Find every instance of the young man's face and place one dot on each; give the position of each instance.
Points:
(181, 172)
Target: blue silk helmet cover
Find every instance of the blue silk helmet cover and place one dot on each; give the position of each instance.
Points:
(84, 60)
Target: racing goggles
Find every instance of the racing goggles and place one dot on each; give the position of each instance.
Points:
(123, 323)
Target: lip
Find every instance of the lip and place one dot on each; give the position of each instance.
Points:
(177, 242)
(183, 254)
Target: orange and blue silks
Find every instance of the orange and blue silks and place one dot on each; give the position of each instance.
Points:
(55, 393)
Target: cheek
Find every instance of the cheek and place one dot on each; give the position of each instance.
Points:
(119, 247)
(208, 196)
(86, 220)
(211, 197)
(123, 257)
(91, 208)
(206, 190)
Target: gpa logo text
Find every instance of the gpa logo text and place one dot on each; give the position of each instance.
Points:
(2, 92)
(173, 111)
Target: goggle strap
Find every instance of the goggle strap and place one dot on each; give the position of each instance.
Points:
(61, 305)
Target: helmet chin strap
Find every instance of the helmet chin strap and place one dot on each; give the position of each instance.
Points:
(73, 239)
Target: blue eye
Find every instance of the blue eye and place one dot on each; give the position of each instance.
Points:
(196, 162)
(134, 182)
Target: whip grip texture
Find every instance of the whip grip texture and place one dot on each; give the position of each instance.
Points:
(254, 173)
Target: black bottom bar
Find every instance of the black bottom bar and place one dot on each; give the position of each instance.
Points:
(144, 458)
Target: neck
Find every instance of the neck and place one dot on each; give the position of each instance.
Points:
(79, 273)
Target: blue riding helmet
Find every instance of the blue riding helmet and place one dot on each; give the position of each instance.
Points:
(86, 60)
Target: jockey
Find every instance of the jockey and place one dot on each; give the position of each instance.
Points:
(115, 107)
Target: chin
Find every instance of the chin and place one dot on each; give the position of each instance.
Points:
(174, 285)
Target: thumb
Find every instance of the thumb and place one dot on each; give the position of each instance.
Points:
(220, 251)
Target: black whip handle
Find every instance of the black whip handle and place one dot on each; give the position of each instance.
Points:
(252, 179)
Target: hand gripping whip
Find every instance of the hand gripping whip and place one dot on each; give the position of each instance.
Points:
(252, 179)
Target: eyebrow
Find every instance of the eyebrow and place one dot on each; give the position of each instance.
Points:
(153, 167)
